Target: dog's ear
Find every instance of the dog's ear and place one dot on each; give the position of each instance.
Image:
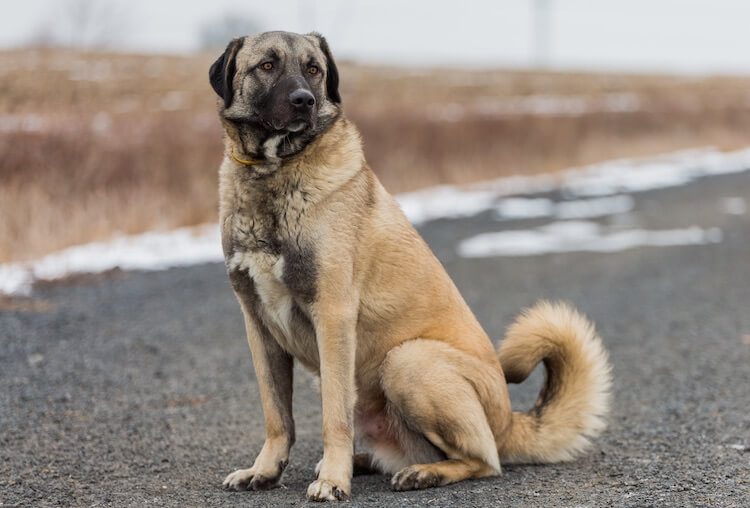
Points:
(221, 73)
(332, 72)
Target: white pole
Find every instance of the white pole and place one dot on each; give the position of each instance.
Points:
(542, 33)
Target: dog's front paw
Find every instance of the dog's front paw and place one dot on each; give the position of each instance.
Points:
(325, 490)
(248, 479)
(239, 480)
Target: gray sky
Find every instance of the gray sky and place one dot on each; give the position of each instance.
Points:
(657, 35)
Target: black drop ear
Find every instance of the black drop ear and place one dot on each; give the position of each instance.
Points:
(332, 72)
(221, 73)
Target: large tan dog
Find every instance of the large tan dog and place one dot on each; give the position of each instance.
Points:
(330, 273)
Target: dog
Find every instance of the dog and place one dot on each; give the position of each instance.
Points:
(328, 272)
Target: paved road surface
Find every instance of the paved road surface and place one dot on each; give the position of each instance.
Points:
(137, 389)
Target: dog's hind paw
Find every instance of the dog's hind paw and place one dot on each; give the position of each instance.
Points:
(415, 477)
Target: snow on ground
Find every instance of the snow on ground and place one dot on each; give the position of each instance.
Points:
(604, 179)
(637, 175)
(451, 202)
(579, 236)
(445, 202)
(531, 208)
(148, 251)
(593, 191)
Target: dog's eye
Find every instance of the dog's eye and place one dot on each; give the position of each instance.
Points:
(313, 70)
(267, 66)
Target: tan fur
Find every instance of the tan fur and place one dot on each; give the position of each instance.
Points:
(575, 399)
(354, 294)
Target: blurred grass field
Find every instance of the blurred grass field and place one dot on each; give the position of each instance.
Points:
(93, 145)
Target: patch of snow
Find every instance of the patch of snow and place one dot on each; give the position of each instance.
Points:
(638, 175)
(148, 251)
(450, 202)
(734, 206)
(21, 123)
(15, 279)
(444, 202)
(620, 176)
(579, 236)
(524, 208)
(528, 208)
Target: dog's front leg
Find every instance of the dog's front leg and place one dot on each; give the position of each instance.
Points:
(335, 327)
(274, 372)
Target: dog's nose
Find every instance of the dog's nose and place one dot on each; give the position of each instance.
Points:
(302, 99)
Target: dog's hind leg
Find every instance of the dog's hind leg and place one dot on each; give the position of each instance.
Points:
(446, 396)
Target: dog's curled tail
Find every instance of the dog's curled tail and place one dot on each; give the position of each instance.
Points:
(574, 401)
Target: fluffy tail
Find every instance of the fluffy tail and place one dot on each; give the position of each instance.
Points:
(574, 401)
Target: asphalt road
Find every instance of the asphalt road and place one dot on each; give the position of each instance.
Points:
(137, 389)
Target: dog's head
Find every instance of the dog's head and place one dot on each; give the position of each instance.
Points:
(278, 91)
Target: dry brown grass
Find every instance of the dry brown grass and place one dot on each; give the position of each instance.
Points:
(93, 144)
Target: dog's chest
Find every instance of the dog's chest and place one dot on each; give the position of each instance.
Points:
(272, 293)
(266, 247)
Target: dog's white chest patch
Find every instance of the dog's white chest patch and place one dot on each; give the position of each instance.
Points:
(271, 146)
(267, 272)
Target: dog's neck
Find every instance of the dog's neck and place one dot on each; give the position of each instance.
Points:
(249, 147)
(327, 162)
(262, 152)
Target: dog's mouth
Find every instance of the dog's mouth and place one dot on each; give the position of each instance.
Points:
(296, 126)
(292, 127)
(284, 122)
